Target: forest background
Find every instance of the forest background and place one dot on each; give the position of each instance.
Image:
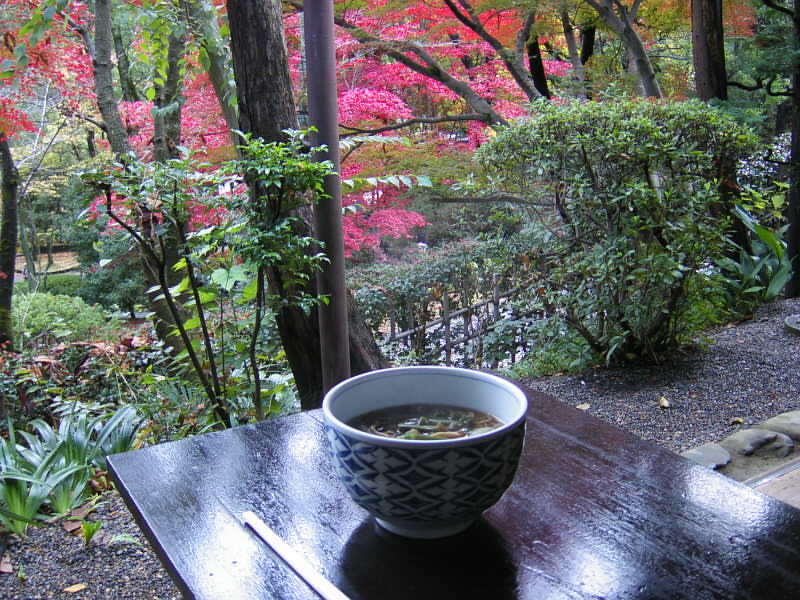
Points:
(530, 186)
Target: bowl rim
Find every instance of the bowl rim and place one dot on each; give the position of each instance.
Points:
(337, 424)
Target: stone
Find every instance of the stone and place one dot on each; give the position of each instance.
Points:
(787, 423)
(758, 442)
(711, 455)
(793, 323)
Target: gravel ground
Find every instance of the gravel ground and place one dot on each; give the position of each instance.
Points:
(746, 374)
(117, 564)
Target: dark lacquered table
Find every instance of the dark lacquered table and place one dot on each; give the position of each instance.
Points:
(593, 512)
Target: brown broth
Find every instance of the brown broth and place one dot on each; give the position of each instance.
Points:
(425, 422)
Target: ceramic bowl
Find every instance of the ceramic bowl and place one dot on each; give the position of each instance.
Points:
(425, 489)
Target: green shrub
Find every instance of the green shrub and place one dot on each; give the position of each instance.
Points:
(631, 213)
(111, 267)
(61, 284)
(759, 275)
(42, 318)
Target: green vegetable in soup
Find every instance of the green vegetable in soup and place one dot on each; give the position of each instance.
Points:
(426, 422)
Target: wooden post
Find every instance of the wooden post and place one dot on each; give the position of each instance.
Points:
(323, 114)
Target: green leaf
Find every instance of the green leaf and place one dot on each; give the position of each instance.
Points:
(206, 296)
(779, 281)
(250, 291)
(191, 324)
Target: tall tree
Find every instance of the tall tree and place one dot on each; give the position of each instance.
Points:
(8, 239)
(100, 49)
(708, 50)
(266, 109)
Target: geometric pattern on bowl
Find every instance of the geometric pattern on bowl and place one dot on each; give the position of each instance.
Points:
(425, 483)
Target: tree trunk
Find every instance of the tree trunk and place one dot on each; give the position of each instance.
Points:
(266, 108)
(536, 67)
(104, 80)
(203, 22)
(641, 63)
(120, 146)
(260, 67)
(588, 34)
(708, 50)
(8, 241)
(166, 139)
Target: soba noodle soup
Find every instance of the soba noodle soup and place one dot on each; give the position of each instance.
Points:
(425, 422)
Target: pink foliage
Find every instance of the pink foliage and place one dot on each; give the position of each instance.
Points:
(380, 215)
(361, 105)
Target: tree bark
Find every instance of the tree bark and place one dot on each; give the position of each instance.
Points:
(203, 22)
(708, 50)
(587, 42)
(8, 241)
(100, 51)
(536, 67)
(266, 109)
(104, 79)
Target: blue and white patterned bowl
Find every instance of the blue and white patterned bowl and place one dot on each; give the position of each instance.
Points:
(425, 489)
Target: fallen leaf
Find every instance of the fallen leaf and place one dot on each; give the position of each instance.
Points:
(75, 588)
(584, 406)
(5, 564)
(82, 511)
(663, 402)
(71, 526)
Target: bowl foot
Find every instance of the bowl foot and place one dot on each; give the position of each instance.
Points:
(424, 531)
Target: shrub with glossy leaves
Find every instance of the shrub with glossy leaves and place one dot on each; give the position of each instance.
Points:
(630, 212)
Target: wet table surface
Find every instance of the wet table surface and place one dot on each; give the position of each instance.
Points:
(593, 512)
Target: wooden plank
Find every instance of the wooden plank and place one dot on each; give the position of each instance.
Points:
(785, 487)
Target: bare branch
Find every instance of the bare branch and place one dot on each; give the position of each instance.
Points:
(779, 7)
(88, 119)
(743, 86)
(425, 65)
(771, 92)
(414, 121)
(760, 85)
(511, 60)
